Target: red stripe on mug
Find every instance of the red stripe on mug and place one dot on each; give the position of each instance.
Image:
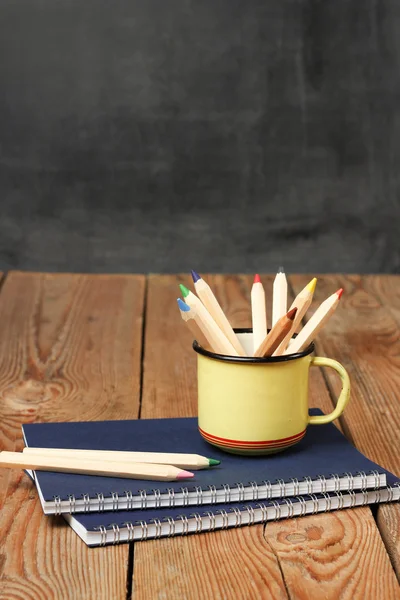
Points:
(250, 444)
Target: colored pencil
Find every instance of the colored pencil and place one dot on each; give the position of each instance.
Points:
(258, 312)
(219, 342)
(276, 335)
(154, 472)
(302, 303)
(183, 461)
(317, 321)
(279, 299)
(207, 297)
(195, 324)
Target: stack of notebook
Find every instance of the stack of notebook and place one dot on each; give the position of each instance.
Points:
(323, 472)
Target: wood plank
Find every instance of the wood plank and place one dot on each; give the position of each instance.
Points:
(364, 335)
(169, 388)
(70, 349)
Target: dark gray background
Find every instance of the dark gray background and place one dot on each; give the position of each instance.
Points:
(215, 135)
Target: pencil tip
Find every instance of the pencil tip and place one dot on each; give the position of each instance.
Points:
(281, 270)
(184, 290)
(257, 278)
(182, 305)
(195, 276)
(292, 313)
(213, 462)
(184, 475)
(339, 293)
(311, 285)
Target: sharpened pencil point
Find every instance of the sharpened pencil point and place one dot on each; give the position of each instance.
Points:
(311, 285)
(339, 293)
(195, 276)
(213, 462)
(185, 475)
(182, 305)
(257, 278)
(292, 313)
(184, 290)
(281, 270)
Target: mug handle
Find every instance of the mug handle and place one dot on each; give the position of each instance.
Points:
(321, 361)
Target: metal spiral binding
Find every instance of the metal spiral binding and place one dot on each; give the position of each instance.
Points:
(303, 505)
(290, 506)
(364, 481)
(254, 490)
(365, 497)
(103, 535)
(57, 505)
(351, 481)
(336, 482)
(185, 496)
(322, 481)
(144, 530)
(171, 497)
(116, 532)
(211, 516)
(252, 515)
(100, 498)
(328, 502)
(213, 492)
(339, 496)
(278, 510)
(268, 489)
(158, 525)
(309, 483)
(86, 502)
(171, 523)
(315, 503)
(282, 487)
(115, 500)
(143, 499)
(238, 516)
(264, 512)
(129, 500)
(296, 486)
(199, 522)
(225, 519)
(185, 524)
(391, 493)
(241, 491)
(131, 531)
(377, 480)
(72, 503)
(353, 498)
(157, 498)
(199, 495)
(227, 493)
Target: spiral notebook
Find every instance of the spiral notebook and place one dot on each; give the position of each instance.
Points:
(324, 460)
(100, 529)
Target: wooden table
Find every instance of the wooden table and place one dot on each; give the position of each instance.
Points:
(81, 347)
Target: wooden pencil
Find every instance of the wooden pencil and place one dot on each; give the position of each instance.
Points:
(317, 321)
(279, 299)
(276, 335)
(195, 324)
(154, 472)
(258, 312)
(302, 303)
(218, 341)
(209, 300)
(183, 461)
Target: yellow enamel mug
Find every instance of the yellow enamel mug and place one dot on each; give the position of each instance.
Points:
(252, 405)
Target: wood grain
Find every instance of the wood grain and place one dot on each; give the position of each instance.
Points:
(70, 349)
(168, 354)
(364, 336)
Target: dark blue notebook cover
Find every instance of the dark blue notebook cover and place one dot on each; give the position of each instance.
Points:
(323, 451)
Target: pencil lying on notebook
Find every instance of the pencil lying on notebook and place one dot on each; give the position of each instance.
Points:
(83, 466)
(276, 335)
(207, 297)
(183, 461)
(217, 338)
(317, 321)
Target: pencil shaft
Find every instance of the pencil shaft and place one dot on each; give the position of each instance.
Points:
(279, 300)
(302, 305)
(275, 337)
(184, 461)
(314, 325)
(259, 314)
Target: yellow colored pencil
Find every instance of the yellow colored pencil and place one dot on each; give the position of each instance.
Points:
(315, 324)
(279, 299)
(302, 303)
(258, 312)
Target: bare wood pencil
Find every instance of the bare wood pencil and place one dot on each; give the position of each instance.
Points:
(276, 335)
(279, 299)
(258, 312)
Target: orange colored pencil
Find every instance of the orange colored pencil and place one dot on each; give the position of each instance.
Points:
(277, 334)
